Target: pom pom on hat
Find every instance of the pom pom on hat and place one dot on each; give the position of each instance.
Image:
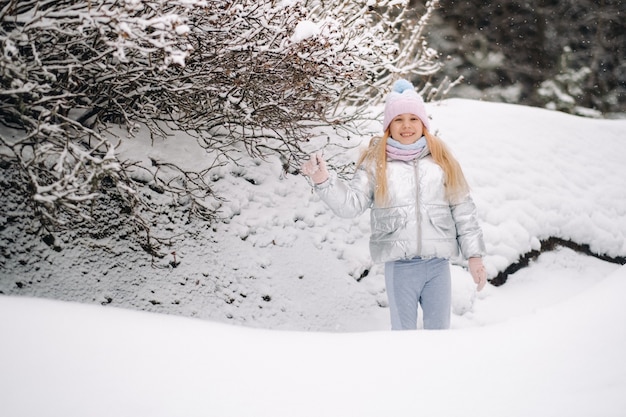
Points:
(402, 85)
(404, 99)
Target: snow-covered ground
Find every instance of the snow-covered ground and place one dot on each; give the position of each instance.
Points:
(548, 342)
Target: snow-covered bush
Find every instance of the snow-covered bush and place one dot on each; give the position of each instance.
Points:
(265, 74)
(239, 75)
(67, 70)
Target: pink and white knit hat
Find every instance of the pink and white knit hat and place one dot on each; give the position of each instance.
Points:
(404, 99)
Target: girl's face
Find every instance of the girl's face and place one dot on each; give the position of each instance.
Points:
(406, 128)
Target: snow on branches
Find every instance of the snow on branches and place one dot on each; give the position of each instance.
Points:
(239, 75)
(266, 73)
(68, 69)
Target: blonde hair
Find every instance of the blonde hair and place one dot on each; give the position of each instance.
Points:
(375, 159)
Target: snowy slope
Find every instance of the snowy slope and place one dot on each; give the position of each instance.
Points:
(62, 359)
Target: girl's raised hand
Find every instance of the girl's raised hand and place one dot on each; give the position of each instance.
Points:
(315, 168)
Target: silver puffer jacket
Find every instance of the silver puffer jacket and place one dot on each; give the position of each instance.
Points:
(419, 220)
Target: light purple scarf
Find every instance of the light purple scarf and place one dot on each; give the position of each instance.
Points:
(399, 151)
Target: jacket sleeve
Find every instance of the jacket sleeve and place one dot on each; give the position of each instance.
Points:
(468, 231)
(347, 199)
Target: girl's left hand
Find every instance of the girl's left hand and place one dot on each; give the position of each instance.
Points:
(479, 274)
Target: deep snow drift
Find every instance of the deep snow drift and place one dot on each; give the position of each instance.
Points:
(69, 360)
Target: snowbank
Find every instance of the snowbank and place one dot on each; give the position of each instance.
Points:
(65, 359)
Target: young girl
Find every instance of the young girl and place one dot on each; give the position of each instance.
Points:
(421, 211)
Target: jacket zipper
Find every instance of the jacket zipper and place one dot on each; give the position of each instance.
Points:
(417, 207)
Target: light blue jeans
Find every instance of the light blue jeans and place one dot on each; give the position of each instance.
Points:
(414, 282)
